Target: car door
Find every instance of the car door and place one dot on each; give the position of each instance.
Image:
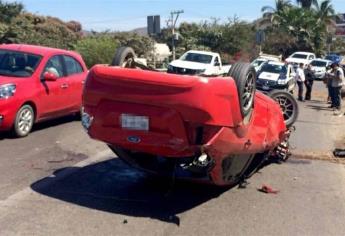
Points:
(54, 97)
(290, 77)
(76, 75)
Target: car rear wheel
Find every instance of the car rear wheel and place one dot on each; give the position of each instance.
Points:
(24, 121)
(245, 78)
(124, 57)
(288, 105)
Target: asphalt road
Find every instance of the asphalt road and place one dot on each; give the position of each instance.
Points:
(57, 181)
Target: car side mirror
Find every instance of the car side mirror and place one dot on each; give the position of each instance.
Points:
(216, 63)
(48, 76)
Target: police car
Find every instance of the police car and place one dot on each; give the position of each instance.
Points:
(276, 75)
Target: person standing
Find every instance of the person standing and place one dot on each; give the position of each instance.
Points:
(327, 81)
(300, 78)
(309, 80)
(337, 81)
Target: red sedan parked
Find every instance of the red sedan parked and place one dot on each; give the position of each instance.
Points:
(38, 83)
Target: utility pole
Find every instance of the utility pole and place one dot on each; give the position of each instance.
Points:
(173, 19)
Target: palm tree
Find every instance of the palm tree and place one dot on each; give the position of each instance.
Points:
(279, 6)
(271, 13)
(307, 4)
(325, 12)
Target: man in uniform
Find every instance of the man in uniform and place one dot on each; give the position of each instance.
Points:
(337, 82)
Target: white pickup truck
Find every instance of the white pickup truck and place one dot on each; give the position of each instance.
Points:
(199, 63)
(300, 57)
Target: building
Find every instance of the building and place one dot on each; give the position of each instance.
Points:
(340, 26)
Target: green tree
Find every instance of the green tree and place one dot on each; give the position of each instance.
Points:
(38, 30)
(307, 4)
(280, 5)
(99, 49)
(9, 10)
(142, 45)
(325, 12)
(306, 24)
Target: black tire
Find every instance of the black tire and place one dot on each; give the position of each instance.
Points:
(245, 78)
(124, 57)
(24, 121)
(288, 104)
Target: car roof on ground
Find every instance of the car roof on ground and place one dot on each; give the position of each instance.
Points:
(39, 50)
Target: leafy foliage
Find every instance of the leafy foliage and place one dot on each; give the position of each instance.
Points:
(229, 38)
(307, 27)
(96, 49)
(17, 26)
(142, 45)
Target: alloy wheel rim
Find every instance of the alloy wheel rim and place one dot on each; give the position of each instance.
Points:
(286, 106)
(248, 93)
(128, 62)
(25, 121)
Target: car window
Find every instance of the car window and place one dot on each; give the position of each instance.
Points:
(273, 68)
(72, 66)
(196, 57)
(54, 65)
(258, 62)
(18, 64)
(299, 56)
(318, 63)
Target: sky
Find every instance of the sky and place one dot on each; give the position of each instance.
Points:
(124, 15)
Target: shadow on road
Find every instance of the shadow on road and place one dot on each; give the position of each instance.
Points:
(319, 108)
(42, 126)
(112, 186)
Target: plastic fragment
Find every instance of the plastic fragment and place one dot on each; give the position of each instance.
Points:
(268, 189)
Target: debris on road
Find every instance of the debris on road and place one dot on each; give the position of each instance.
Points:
(267, 189)
(339, 153)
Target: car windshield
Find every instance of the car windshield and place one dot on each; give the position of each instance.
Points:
(197, 57)
(272, 68)
(258, 62)
(299, 56)
(18, 64)
(319, 63)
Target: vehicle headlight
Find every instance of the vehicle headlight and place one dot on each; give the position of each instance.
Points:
(170, 68)
(7, 90)
(281, 80)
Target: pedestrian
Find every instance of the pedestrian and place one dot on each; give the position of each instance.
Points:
(309, 80)
(300, 78)
(337, 81)
(327, 81)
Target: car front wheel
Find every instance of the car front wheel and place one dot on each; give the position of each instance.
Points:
(24, 121)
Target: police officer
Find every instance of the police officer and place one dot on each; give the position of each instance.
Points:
(309, 80)
(337, 82)
(300, 78)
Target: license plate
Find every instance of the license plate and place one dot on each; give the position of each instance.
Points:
(133, 122)
(265, 87)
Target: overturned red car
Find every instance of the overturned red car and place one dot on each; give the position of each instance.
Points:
(209, 129)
